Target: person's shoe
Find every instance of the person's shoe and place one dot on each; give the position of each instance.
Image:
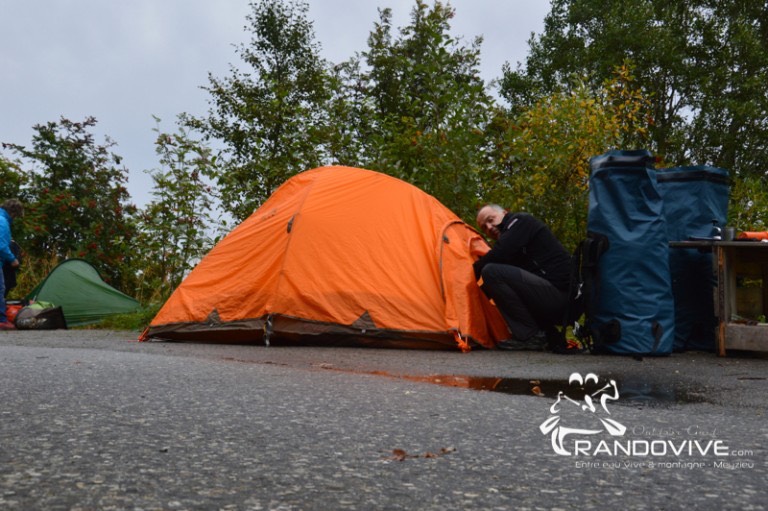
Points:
(7, 325)
(558, 343)
(537, 342)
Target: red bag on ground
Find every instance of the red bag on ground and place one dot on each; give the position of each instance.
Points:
(11, 311)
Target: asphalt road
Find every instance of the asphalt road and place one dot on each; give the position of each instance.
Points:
(91, 420)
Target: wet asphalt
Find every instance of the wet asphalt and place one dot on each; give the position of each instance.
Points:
(92, 420)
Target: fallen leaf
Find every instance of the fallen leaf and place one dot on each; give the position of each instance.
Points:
(399, 454)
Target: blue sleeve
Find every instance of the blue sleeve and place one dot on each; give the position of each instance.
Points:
(5, 242)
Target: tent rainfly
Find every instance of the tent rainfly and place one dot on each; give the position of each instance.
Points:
(339, 256)
(84, 297)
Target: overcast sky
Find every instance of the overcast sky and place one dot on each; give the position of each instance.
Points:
(123, 61)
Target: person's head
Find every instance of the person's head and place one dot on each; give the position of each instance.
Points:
(489, 217)
(13, 207)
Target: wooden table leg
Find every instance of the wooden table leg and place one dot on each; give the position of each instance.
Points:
(722, 296)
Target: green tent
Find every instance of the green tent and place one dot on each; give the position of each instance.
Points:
(77, 287)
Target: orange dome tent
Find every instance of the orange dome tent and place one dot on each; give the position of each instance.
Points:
(339, 256)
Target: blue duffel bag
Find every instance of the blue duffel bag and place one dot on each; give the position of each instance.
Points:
(633, 311)
(694, 199)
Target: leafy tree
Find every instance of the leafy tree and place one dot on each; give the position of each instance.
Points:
(270, 119)
(12, 178)
(544, 153)
(702, 63)
(730, 129)
(426, 105)
(175, 227)
(749, 204)
(76, 201)
(351, 116)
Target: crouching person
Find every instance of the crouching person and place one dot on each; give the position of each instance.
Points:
(526, 274)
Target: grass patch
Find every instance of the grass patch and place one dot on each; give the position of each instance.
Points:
(137, 321)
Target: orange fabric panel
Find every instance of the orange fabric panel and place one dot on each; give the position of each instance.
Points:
(335, 243)
(473, 313)
(359, 246)
(239, 273)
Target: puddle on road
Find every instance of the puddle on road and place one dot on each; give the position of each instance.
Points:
(632, 392)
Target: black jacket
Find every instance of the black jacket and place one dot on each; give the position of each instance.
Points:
(524, 241)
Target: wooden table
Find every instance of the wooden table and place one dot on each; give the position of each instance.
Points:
(735, 261)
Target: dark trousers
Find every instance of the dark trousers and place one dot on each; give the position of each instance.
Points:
(527, 302)
(3, 317)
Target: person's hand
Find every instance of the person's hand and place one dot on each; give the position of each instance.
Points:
(15, 263)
